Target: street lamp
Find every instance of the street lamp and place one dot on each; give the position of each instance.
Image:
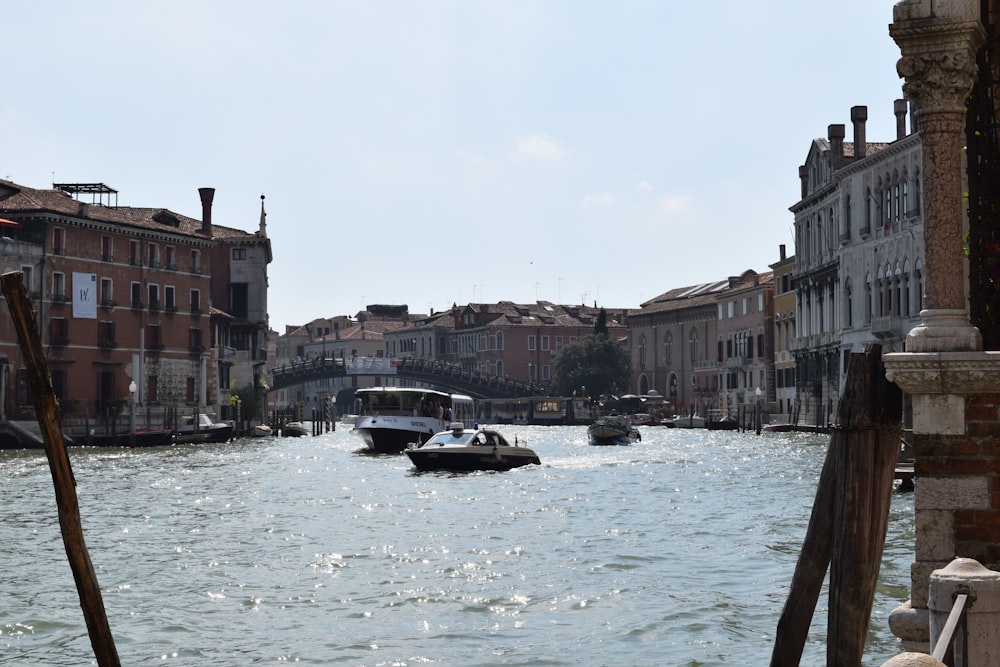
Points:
(757, 392)
(131, 412)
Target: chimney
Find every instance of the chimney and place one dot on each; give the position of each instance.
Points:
(899, 108)
(207, 195)
(804, 181)
(859, 115)
(781, 251)
(835, 133)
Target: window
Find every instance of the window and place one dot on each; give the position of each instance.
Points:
(195, 300)
(107, 249)
(195, 261)
(500, 368)
(58, 331)
(194, 340)
(106, 334)
(559, 343)
(28, 277)
(499, 341)
(154, 337)
(137, 295)
(668, 349)
(154, 297)
(239, 254)
(107, 292)
(239, 302)
(545, 343)
(169, 299)
(153, 255)
(642, 351)
(732, 309)
(531, 342)
(693, 344)
(546, 373)
(133, 253)
(59, 287)
(58, 241)
(170, 258)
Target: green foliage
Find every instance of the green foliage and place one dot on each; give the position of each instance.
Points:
(601, 325)
(596, 362)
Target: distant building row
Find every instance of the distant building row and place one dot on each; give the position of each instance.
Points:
(782, 337)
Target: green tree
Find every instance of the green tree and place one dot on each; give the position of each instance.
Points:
(601, 325)
(596, 362)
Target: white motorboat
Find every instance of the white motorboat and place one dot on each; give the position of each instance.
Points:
(261, 431)
(463, 449)
(202, 430)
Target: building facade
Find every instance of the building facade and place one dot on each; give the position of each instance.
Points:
(123, 297)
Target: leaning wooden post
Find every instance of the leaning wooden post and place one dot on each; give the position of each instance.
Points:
(47, 409)
(849, 518)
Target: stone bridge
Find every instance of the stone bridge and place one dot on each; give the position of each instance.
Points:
(439, 374)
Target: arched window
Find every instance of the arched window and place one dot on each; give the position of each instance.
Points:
(499, 340)
(668, 349)
(642, 351)
(869, 298)
(693, 344)
(848, 304)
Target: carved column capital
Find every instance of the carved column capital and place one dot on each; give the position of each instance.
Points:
(938, 60)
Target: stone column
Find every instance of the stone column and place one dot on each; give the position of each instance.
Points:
(938, 45)
(955, 387)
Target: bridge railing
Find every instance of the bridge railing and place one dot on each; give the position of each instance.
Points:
(464, 378)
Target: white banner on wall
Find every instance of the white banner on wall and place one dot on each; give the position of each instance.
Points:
(85, 295)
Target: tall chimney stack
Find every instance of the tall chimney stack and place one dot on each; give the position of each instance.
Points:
(899, 108)
(207, 195)
(859, 115)
(781, 251)
(835, 133)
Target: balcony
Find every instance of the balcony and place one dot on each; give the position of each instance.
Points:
(108, 303)
(107, 342)
(736, 362)
(170, 266)
(57, 340)
(136, 304)
(170, 308)
(887, 326)
(196, 348)
(134, 261)
(107, 258)
(154, 304)
(60, 298)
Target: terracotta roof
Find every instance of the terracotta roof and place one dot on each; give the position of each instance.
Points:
(16, 199)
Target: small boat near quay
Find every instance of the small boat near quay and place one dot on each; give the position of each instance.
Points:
(393, 417)
(465, 450)
(294, 429)
(202, 430)
(690, 421)
(613, 430)
(159, 437)
(261, 431)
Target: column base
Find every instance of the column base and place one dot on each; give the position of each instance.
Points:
(912, 626)
(944, 330)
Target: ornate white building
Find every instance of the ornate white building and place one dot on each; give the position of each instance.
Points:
(858, 255)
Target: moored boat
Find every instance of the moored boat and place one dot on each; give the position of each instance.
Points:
(261, 431)
(463, 449)
(294, 429)
(689, 421)
(202, 430)
(613, 430)
(158, 437)
(393, 417)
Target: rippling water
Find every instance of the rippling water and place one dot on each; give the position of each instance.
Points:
(677, 550)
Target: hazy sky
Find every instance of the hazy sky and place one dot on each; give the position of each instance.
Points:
(432, 152)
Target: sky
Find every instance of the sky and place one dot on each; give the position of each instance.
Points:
(439, 152)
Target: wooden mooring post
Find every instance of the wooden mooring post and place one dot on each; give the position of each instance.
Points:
(849, 518)
(47, 409)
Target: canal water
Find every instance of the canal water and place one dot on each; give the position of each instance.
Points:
(677, 550)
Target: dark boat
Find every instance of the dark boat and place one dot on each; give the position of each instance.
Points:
(613, 430)
(142, 438)
(465, 450)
